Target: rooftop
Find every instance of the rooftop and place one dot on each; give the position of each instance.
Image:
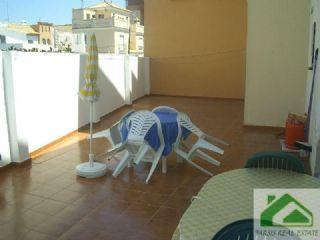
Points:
(64, 28)
(22, 27)
(107, 5)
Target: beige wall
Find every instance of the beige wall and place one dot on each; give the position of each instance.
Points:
(277, 60)
(197, 48)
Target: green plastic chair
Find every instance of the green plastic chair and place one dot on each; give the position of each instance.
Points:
(276, 160)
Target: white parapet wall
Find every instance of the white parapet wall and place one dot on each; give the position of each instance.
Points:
(4, 137)
(42, 93)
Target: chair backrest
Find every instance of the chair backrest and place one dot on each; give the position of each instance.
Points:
(140, 123)
(184, 121)
(115, 130)
(124, 118)
(165, 109)
(276, 160)
(239, 230)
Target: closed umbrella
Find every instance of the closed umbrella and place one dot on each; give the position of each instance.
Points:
(90, 93)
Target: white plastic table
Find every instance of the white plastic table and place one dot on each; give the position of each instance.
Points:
(228, 197)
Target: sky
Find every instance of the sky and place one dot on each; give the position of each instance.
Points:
(54, 11)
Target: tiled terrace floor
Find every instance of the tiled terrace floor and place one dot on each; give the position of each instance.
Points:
(47, 201)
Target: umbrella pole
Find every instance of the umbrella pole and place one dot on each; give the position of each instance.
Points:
(91, 169)
(91, 130)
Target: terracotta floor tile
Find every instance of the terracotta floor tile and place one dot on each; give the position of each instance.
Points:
(53, 226)
(79, 232)
(66, 196)
(27, 201)
(49, 207)
(12, 230)
(45, 191)
(33, 235)
(30, 218)
(154, 199)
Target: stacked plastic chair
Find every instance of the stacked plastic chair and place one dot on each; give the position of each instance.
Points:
(136, 148)
(185, 148)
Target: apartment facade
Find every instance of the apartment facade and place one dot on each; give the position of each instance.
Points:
(45, 31)
(19, 36)
(137, 8)
(67, 41)
(112, 26)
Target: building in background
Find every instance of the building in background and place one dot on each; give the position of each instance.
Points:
(137, 8)
(136, 37)
(67, 41)
(45, 31)
(20, 36)
(115, 28)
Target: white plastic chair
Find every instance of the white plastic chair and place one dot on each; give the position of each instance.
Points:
(137, 149)
(187, 150)
(113, 134)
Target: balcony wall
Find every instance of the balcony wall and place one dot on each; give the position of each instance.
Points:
(4, 134)
(100, 23)
(197, 48)
(93, 23)
(43, 94)
(277, 60)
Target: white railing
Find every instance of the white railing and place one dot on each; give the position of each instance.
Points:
(93, 23)
(99, 23)
(41, 94)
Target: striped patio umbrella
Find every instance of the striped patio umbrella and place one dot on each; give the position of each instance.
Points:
(91, 93)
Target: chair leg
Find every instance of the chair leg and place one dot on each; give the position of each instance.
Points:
(207, 158)
(122, 164)
(179, 159)
(198, 167)
(164, 164)
(154, 164)
(141, 153)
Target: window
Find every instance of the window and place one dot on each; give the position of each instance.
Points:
(121, 43)
(88, 16)
(85, 39)
(3, 39)
(44, 41)
(30, 41)
(41, 28)
(93, 16)
(101, 16)
(48, 41)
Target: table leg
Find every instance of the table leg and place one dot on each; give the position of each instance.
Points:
(130, 164)
(164, 164)
(179, 159)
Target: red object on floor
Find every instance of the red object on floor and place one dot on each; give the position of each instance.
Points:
(294, 132)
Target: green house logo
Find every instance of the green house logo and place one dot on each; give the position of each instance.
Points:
(285, 211)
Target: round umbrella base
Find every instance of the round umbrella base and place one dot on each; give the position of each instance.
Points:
(95, 171)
